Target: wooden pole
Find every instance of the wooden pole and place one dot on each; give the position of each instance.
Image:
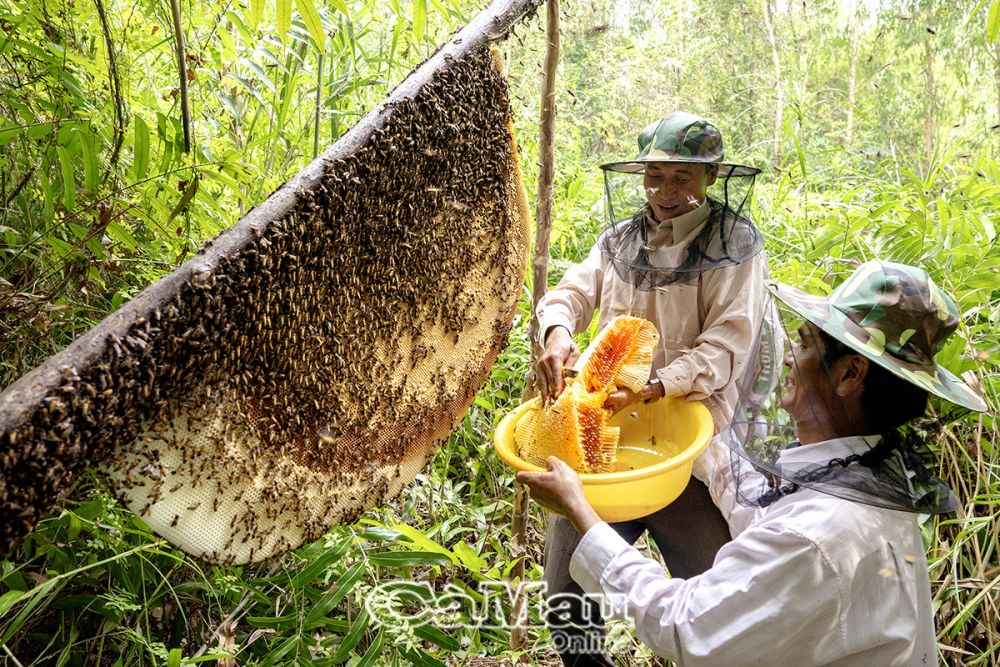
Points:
(539, 282)
(114, 83)
(175, 11)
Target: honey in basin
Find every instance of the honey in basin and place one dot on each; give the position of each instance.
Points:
(631, 464)
(670, 431)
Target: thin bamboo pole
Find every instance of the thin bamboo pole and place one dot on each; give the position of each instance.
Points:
(114, 84)
(175, 11)
(539, 280)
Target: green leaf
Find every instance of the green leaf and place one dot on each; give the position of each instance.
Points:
(225, 179)
(174, 658)
(140, 160)
(119, 232)
(333, 598)
(419, 18)
(993, 22)
(167, 154)
(230, 104)
(313, 22)
(341, 6)
(379, 533)
(261, 74)
(91, 169)
(68, 177)
(352, 637)
(284, 11)
(374, 651)
(9, 599)
(407, 559)
(67, 651)
(186, 197)
(317, 567)
(422, 542)
(256, 13)
(8, 133)
(39, 130)
(48, 197)
(272, 621)
(274, 656)
(39, 595)
(435, 636)
(229, 51)
(74, 526)
(469, 557)
(420, 658)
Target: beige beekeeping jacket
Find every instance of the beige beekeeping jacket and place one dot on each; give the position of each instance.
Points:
(706, 327)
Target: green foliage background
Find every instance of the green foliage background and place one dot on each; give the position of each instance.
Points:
(98, 199)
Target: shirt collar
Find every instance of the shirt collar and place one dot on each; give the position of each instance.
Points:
(682, 225)
(821, 452)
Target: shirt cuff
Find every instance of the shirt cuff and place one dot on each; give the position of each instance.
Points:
(598, 547)
(672, 384)
(550, 320)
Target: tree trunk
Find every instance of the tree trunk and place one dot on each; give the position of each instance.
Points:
(539, 281)
(996, 73)
(852, 81)
(779, 104)
(114, 83)
(175, 12)
(931, 96)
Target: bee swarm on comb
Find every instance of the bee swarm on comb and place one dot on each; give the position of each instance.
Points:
(306, 364)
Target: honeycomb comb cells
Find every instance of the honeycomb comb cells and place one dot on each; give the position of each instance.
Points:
(307, 362)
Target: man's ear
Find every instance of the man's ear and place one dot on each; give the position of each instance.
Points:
(713, 173)
(852, 371)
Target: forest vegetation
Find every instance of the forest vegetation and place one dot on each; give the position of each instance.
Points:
(877, 125)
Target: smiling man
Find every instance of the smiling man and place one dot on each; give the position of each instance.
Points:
(674, 189)
(692, 264)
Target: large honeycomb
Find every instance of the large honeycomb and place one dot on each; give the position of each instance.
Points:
(574, 428)
(306, 364)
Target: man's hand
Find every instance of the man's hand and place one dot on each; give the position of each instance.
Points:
(621, 399)
(560, 351)
(560, 490)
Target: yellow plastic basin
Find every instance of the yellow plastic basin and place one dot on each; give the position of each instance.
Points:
(670, 431)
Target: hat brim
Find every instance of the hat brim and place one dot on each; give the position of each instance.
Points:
(726, 169)
(932, 377)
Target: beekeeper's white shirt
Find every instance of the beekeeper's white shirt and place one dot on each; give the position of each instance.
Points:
(810, 580)
(706, 327)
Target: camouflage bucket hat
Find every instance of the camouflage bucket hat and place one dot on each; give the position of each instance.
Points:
(681, 137)
(896, 316)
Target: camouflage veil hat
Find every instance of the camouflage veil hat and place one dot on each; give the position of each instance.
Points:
(894, 315)
(681, 137)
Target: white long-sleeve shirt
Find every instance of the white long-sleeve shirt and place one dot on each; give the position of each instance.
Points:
(811, 580)
(706, 327)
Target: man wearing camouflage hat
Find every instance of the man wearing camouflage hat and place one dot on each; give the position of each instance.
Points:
(827, 565)
(692, 265)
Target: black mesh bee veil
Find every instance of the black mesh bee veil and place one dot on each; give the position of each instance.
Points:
(780, 396)
(629, 241)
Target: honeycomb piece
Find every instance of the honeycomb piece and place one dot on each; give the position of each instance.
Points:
(551, 432)
(574, 428)
(620, 356)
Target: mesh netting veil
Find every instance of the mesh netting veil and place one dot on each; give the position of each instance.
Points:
(729, 236)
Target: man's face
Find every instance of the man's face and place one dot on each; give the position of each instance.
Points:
(673, 189)
(809, 392)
